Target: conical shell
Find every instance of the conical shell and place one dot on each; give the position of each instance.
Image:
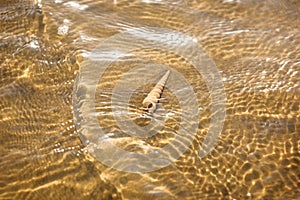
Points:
(152, 98)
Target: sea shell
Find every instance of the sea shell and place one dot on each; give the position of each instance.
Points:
(152, 98)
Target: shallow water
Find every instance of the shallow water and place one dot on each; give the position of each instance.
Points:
(46, 45)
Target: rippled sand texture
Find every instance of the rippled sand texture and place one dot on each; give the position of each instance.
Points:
(255, 45)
